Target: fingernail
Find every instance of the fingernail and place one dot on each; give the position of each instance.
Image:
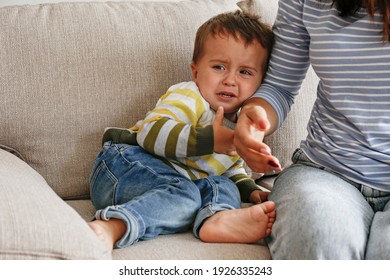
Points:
(273, 164)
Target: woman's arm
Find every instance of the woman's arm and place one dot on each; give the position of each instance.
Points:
(269, 106)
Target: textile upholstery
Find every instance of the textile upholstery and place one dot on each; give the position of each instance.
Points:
(67, 71)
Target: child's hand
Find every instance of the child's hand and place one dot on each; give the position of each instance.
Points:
(223, 136)
(258, 196)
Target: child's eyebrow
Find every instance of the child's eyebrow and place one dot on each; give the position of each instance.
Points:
(226, 61)
(218, 60)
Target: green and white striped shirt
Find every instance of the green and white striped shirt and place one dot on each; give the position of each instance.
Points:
(179, 131)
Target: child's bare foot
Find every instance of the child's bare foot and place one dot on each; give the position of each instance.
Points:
(108, 231)
(245, 225)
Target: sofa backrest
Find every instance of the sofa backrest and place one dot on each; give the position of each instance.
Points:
(68, 70)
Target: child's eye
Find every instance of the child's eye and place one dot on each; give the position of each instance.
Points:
(245, 72)
(219, 67)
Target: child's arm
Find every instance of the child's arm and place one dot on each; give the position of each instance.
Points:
(223, 136)
(172, 139)
(249, 190)
(258, 196)
(172, 128)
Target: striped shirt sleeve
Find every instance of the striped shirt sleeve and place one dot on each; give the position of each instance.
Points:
(172, 128)
(289, 60)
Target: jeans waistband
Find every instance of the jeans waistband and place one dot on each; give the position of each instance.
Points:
(300, 157)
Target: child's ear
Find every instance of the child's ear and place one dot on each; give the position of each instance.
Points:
(194, 71)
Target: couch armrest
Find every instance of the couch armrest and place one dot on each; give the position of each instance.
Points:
(35, 223)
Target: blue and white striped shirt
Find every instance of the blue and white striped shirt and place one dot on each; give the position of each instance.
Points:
(349, 129)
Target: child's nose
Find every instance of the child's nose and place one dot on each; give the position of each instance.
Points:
(230, 79)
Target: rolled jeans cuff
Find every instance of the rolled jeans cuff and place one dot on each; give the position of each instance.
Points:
(207, 212)
(133, 228)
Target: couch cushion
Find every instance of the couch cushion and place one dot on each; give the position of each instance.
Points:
(184, 246)
(266, 9)
(12, 151)
(35, 223)
(69, 70)
(180, 246)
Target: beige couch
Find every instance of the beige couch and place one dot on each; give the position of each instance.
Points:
(67, 71)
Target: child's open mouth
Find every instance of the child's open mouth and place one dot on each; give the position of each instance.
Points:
(226, 95)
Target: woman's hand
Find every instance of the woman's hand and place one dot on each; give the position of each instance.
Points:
(253, 124)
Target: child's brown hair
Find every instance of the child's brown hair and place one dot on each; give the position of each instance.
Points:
(240, 25)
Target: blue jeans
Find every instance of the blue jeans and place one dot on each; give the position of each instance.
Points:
(152, 198)
(322, 215)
